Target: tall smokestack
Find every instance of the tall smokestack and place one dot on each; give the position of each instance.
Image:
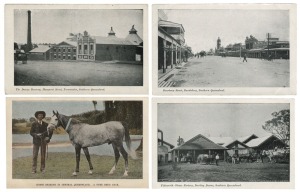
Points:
(29, 43)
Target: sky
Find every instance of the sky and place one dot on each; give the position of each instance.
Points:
(27, 109)
(54, 26)
(214, 120)
(203, 27)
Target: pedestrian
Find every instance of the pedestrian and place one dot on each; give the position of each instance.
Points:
(217, 159)
(41, 138)
(245, 58)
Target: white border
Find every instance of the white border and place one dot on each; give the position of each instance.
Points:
(241, 185)
(9, 63)
(32, 183)
(227, 90)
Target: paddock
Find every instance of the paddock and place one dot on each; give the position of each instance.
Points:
(225, 172)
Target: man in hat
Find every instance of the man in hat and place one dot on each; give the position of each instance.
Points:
(40, 139)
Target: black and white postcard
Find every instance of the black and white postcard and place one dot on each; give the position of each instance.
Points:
(222, 49)
(75, 49)
(77, 143)
(223, 144)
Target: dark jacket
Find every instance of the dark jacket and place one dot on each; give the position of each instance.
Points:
(38, 128)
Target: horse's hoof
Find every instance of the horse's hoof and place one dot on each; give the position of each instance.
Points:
(90, 172)
(74, 174)
(125, 174)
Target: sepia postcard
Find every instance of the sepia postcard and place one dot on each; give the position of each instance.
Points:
(76, 49)
(77, 142)
(223, 143)
(224, 49)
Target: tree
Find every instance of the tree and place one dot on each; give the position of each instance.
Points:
(180, 141)
(95, 103)
(279, 125)
(32, 119)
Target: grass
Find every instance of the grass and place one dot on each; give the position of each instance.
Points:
(226, 172)
(62, 165)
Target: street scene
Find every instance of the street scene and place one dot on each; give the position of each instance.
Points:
(223, 142)
(230, 52)
(78, 47)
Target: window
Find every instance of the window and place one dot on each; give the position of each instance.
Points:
(54, 56)
(69, 50)
(79, 47)
(54, 49)
(74, 50)
(69, 57)
(58, 49)
(74, 57)
(85, 47)
(64, 50)
(91, 49)
(64, 57)
(58, 57)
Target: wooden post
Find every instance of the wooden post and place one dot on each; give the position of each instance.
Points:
(172, 56)
(176, 54)
(165, 56)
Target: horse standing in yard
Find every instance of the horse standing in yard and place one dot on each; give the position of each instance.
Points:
(83, 135)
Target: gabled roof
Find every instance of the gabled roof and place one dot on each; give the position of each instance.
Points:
(199, 142)
(112, 41)
(261, 140)
(40, 49)
(72, 43)
(245, 138)
(223, 141)
(235, 141)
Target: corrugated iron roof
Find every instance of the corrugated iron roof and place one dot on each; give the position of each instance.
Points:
(40, 49)
(112, 41)
(134, 38)
(243, 139)
(164, 23)
(223, 141)
(258, 141)
(200, 142)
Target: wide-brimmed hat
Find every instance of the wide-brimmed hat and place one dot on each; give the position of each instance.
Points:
(40, 112)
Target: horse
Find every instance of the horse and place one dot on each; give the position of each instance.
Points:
(83, 135)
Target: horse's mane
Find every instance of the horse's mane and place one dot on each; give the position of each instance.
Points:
(76, 121)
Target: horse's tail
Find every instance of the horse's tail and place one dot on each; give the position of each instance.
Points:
(128, 140)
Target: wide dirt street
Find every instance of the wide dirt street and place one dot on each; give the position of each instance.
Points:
(216, 71)
(78, 74)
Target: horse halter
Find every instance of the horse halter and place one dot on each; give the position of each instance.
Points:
(59, 122)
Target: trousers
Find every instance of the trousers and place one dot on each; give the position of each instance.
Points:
(35, 156)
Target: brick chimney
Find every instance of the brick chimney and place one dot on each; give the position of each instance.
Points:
(29, 43)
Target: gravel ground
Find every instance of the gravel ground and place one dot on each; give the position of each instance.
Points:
(42, 73)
